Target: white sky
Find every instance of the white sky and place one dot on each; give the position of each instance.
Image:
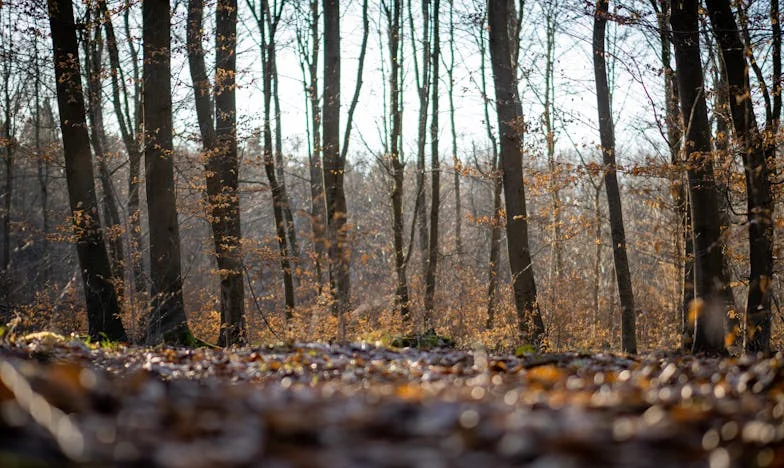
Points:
(575, 98)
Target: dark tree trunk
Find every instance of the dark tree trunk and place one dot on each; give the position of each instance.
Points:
(291, 228)
(102, 306)
(496, 176)
(318, 216)
(167, 320)
(267, 21)
(495, 241)
(607, 136)
(510, 113)
(674, 129)
(128, 128)
(398, 166)
(42, 166)
(455, 158)
(435, 179)
(221, 163)
(93, 51)
(334, 165)
(7, 133)
(758, 190)
(423, 89)
(709, 280)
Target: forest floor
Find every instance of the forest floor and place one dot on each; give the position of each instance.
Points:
(64, 403)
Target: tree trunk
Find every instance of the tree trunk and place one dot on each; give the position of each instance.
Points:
(167, 320)
(709, 281)
(423, 89)
(607, 135)
(758, 190)
(42, 166)
(435, 179)
(102, 306)
(291, 228)
(267, 21)
(398, 166)
(318, 216)
(334, 166)
(93, 51)
(455, 158)
(509, 110)
(128, 130)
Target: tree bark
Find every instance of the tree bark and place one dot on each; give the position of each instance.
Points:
(102, 306)
(455, 158)
(423, 90)
(7, 191)
(509, 110)
(758, 190)
(93, 51)
(435, 178)
(221, 163)
(167, 320)
(398, 167)
(709, 281)
(129, 126)
(334, 165)
(607, 136)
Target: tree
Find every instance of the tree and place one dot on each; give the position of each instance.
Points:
(760, 206)
(509, 112)
(129, 119)
(435, 176)
(167, 320)
(11, 105)
(333, 165)
(709, 278)
(219, 138)
(607, 135)
(102, 306)
(394, 31)
(450, 71)
(674, 134)
(93, 57)
(423, 82)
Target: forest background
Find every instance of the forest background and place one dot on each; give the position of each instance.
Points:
(466, 293)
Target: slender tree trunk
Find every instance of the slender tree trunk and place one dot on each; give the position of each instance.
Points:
(758, 191)
(607, 135)
(221, 163)
(334, 165)
(291, 228)
(42, 167)
(496, 176)
(495, 241)
(398, 167)
(435, 178)
(709, 281)
(423, 89)
(128, 128)
(268, 20)
(102, 306)
(556, 256)
(7, 190)
(509, 110)
(224, 166)
(317, 195)
(455, 159)
(93, 51)
(674, 129)
(167, 321)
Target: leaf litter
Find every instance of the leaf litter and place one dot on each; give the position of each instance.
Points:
(64, 403)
